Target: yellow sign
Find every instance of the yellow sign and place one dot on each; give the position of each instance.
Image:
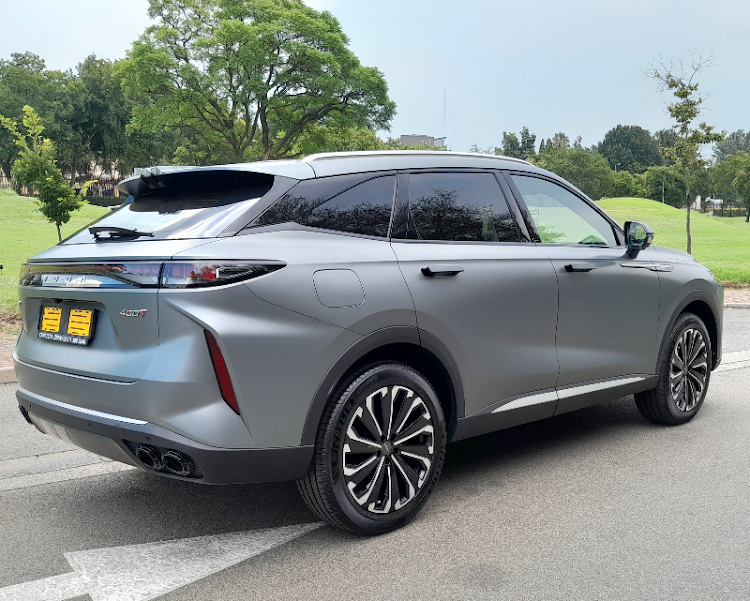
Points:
(79, 323)
(51, 319)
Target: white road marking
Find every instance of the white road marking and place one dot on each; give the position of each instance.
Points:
(72, 473)
(144, 572)
(730, 361)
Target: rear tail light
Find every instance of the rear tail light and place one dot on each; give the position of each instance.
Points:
(179, 274)
(92, 275)
(222, 373)
(200, 274)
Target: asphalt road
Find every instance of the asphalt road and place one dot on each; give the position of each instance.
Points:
(595, 504)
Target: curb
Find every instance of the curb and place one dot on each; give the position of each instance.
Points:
(737, 305)
(7, 375)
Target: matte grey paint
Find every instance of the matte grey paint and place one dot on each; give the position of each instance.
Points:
(338, 288)
(289, 337)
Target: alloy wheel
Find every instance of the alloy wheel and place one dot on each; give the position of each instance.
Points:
(688, 370)
(388, 449)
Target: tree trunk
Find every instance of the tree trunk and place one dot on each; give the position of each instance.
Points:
(687, 202)
(59, 235)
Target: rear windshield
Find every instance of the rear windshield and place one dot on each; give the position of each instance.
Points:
(190, 205)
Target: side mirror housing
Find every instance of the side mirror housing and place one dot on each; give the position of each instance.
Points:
(638, 236)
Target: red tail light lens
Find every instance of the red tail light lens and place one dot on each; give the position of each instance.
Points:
(222, 373)
(200, 274)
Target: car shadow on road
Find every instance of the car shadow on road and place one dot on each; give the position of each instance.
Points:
(165, 508)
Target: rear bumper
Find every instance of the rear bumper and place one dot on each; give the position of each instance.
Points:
(108, 435)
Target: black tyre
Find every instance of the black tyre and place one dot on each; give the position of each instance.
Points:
(684, 374)
(379, 450)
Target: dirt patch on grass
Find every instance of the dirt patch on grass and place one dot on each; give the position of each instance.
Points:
(736, 285)
(10, 326)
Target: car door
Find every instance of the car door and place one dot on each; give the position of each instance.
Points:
(489, 298)
(608, 302)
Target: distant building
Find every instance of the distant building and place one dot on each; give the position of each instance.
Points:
(420, 140)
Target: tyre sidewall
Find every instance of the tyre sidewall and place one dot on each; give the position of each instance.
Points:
(349, 398)
(683, 323)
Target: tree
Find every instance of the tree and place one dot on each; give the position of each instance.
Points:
(631, 148)
(36, 169)
(25, 80)
(741, 184)
(728, 179)
(737, 141)
(247, 78)
(542, 147)
(511, 146)
(588, 171)
(679, 78)
(559, 141)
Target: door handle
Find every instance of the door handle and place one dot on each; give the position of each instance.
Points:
(441, 270)
(580, 267)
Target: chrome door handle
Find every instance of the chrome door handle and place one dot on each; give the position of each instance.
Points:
(441, 270)
(580, 267)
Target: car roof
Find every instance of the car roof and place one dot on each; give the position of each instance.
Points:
(340, 163)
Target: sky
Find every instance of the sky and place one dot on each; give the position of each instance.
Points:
(575, 66)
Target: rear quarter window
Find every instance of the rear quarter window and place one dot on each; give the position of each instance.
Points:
(337, 203)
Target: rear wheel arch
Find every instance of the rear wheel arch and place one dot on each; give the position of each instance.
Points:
(406, 345)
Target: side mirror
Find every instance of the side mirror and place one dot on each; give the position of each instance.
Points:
(638, 236)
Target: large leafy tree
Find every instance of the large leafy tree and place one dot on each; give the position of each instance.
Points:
(631, 148)
(523, 148)
(25, 80)
(729, 179)
(737, 141)
(586, 170)
(247, 78)
(680, 79)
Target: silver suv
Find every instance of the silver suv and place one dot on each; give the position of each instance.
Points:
(337, 320)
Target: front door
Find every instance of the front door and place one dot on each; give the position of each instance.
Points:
(609, 303)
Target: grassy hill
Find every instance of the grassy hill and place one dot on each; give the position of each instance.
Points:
(722, 244)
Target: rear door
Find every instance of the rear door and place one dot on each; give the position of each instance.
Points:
(609, 303)
(487, 296)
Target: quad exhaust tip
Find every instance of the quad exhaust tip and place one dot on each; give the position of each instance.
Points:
(168, 461)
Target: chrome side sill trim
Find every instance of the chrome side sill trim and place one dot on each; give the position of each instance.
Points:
(525, 401)
(537, 398)
(596, 386)
(45, 401)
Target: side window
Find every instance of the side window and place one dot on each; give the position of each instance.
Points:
(331, 203)
(460, 207)
(560, 216)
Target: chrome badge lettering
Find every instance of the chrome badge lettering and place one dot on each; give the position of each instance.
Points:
(134, 312)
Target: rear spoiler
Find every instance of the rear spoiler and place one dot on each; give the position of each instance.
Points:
(162, 177)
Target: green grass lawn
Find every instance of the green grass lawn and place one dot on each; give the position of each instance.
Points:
(720, 243)
(25, 232)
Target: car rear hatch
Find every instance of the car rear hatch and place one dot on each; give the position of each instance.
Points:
(89, 305)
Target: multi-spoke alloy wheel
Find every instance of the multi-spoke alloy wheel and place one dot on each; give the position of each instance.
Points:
(684, 374)
(688, 369)
(388, 449)
(379, 450)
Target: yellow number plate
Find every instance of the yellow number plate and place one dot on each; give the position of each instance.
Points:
(79, 322)
(51, 319)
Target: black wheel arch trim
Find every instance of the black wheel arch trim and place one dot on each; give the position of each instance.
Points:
(701, 296)
(371, 342)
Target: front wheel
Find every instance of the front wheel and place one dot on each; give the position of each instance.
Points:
(684, 374)
(379, 450)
